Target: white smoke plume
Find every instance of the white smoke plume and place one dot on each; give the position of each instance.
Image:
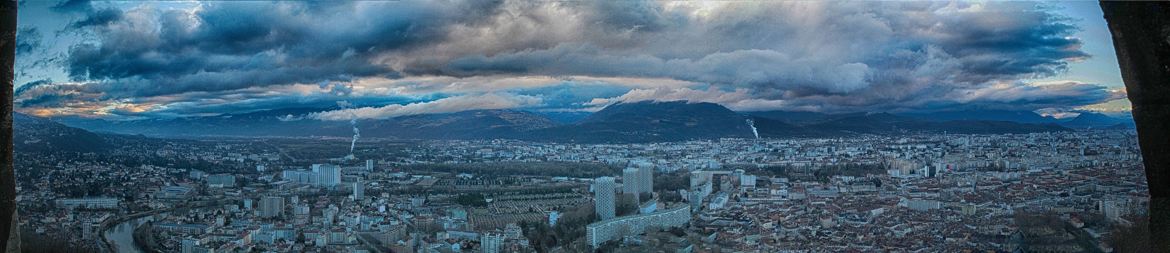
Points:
(751, 123)
(353, 123)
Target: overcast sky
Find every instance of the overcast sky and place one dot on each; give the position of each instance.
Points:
(380, 59)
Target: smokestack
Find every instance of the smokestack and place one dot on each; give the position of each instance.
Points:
(751, 123)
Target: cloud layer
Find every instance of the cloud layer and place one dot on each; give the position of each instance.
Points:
(409, 57)
(443, 105)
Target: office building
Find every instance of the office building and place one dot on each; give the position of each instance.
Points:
(271, 206)
(359, 191)
(491, 242)
(631, 180)
(921, 204)
(174, 192)
(328, 175)
(646, 178)
(299, 176)
(196, 174)
(603, 197)
(221, 180)
(189, 245)
(605, 230)
(93, 203)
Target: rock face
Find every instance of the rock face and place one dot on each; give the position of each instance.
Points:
(1141, 37)
(9, 229)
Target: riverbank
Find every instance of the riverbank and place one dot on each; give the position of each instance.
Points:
(109, 246)
(109, 225)
(144, 237)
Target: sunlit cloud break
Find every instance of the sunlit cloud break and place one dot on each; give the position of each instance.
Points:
(417, 57)
(444, 105)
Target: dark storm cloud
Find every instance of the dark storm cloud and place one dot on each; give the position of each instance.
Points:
(765, 69)
(761, 55)
(1041, 96)
(30, 85)
(231, 45)
(97, 18)
(28, 39)
(40, 59)
(629, 15)
(47, 94)
(791, 49)
(1012, 95)
(1033, 43)
(73, 6)
(245, 101)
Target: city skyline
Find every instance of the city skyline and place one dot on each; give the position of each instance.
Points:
(586, 126)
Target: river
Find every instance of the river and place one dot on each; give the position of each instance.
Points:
(121, 237)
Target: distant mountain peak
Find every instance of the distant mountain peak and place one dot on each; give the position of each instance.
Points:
(652, 121)
(1097, 120)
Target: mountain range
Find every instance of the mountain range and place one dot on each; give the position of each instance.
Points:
(617, 123)
(34, 134)
(1098, 120)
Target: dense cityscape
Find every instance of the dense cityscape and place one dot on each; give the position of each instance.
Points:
(452, 126)
(1053, 192)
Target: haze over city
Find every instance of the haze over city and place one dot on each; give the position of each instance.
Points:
(573, 126)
